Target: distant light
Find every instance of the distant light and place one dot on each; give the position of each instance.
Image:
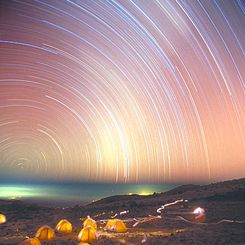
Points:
(144, 193)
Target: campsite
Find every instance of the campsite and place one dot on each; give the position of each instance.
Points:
(210, 214)
(122, 122)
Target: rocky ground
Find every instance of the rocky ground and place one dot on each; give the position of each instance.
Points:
(224, 205)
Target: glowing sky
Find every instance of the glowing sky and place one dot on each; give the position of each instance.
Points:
(122, 91)
(70, 192)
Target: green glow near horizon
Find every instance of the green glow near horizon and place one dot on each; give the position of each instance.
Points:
(18, 192)
(82, 192)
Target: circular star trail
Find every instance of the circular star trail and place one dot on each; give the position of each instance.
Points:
(122, 91)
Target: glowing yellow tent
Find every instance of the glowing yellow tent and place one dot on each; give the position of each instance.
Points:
(45, 233)
(83, 243)
(90, 222)
(31, 241)
(87, 234)
(2, 219)
(116, 225)
(64, 226)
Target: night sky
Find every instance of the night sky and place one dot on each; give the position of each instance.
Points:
(122, 91)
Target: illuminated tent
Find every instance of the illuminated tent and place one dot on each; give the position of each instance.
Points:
(64, 226)
(45, 233)
(199, 215)
(116, 225)
(31, 241)
(2, 219)
(90, 222)
(87, 234)
(83, 243)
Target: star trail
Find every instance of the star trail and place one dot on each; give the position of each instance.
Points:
(122, 91)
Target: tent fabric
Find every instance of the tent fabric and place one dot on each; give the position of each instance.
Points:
(90, 222)
(45, 233)
(87, 234)
(2, 219)
(116, 225)
(31, 241)
(64, 226)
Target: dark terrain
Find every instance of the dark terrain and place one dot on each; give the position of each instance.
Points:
(224, 204)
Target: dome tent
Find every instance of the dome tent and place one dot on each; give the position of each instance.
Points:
(31, 241)
(90, 222)
(2, 219)
(45, 233)
(87, 234)
(200, 216)
(116, 225)
(64, 226)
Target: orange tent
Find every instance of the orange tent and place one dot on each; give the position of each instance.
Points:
(87, 234)
(200, 218)
(64, 226)
(83, 243)
(90, 222)
(2, 219)
(31, 241)
(45, 233)
(116, 225)
(199, 215)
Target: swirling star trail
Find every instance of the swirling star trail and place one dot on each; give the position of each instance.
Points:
(122, 91)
